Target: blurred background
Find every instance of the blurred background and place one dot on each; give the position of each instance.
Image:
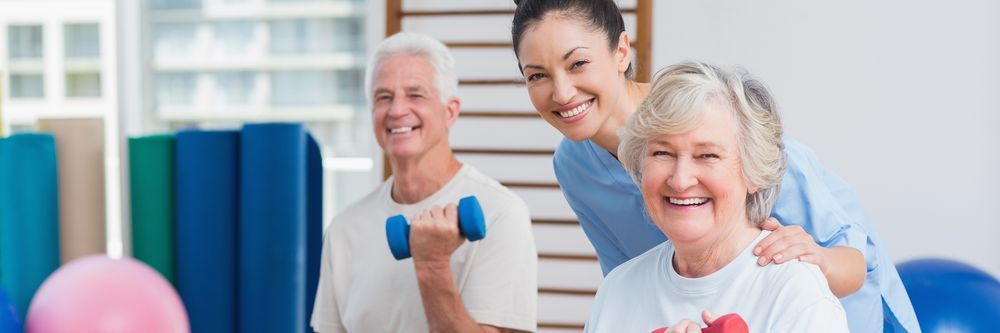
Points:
(899, 98)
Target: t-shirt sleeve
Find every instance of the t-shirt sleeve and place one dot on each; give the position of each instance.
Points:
(501, 288)
(325, 316)
(609, 255)
(805, 304)
(811, 198)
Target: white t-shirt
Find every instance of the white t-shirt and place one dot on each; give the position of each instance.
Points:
(646, 293)
(362, 288)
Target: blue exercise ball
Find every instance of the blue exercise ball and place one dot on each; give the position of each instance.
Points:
(10, 322)
(950, 296)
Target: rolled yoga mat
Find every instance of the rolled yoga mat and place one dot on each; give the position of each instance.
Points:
(151, 169)
(80, 156)
(29, 215)
(314, 224)
(274, 219)
(207, 200)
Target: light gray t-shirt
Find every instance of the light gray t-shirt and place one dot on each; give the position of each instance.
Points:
(362, 288)
(646, 293)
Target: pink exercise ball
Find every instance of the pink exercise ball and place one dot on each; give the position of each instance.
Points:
(100, 294)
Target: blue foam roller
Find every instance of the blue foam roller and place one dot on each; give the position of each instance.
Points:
(272, 228)
(207, 189)
(29, 215)
(10, 322)
(314, 224)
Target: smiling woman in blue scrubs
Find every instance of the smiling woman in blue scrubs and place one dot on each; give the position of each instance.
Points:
(576, 62)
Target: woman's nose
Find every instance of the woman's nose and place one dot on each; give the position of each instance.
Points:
(683, 177)
(564, 90)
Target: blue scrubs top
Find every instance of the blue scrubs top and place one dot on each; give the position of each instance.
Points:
(611, 211)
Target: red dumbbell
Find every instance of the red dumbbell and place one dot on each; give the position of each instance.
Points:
(730, 323)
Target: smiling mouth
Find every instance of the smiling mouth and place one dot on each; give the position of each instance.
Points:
(399, 130)
(688, 202)
(575, 111)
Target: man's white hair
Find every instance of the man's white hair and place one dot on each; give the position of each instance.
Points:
(414, 44)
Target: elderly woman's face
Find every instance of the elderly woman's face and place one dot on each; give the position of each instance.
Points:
(693, 182)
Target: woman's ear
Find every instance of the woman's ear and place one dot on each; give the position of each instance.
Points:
(623, 53)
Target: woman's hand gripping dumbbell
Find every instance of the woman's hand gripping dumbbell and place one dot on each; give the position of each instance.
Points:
(470, 224)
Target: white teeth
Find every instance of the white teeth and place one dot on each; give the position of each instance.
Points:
(400, 130)
(575, 111)
(688, 202)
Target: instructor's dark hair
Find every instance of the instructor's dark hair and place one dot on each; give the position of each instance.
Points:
(600, 15)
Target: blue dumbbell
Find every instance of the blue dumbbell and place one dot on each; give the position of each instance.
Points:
(471, 224)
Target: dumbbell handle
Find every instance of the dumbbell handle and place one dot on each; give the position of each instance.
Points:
(730, 323)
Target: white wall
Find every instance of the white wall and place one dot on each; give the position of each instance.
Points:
(900, 98)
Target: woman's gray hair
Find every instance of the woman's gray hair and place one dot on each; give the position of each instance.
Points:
(408, 43)
(672, 107)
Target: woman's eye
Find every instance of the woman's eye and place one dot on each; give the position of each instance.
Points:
(578, 64)
(535, 76)
(663, 153)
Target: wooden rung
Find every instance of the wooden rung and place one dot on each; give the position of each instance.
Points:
(503, 151)
(555, 222)
(530, 185)
(573, 292)
(476, 12)
(560, 325)
(509, 82)
(553, 256)
(497, 45)
(493, 114)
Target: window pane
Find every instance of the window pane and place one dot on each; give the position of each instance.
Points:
(350, 86)
(174, 39)
(24, 41)
(176, 4)
(298, 1)
(349, 35)
(302, 36)
(82, 40)
(233, 37)
(175, 88)
(302, 88)
(27, 86)
(234, 87)
(83, 85)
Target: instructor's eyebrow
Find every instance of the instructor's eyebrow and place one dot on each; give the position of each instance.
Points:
(565, 56)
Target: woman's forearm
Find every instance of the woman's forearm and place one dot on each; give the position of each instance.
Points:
(846, 271)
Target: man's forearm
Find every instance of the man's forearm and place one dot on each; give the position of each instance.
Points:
(442, 303)
(847, 270)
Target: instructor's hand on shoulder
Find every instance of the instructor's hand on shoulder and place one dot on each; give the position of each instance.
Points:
(434, 234)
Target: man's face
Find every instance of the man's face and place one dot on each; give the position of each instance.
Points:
(407, 113)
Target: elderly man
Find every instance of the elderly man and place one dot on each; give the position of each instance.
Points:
(449, 285)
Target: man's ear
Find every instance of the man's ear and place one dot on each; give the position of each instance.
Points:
(623, 53)
(452, 107)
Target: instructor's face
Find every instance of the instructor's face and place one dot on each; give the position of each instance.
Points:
(407, 113)
(571, 74)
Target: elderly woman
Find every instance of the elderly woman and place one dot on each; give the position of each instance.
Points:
(705, 149)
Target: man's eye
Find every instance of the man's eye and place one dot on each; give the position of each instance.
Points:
(708, 156)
